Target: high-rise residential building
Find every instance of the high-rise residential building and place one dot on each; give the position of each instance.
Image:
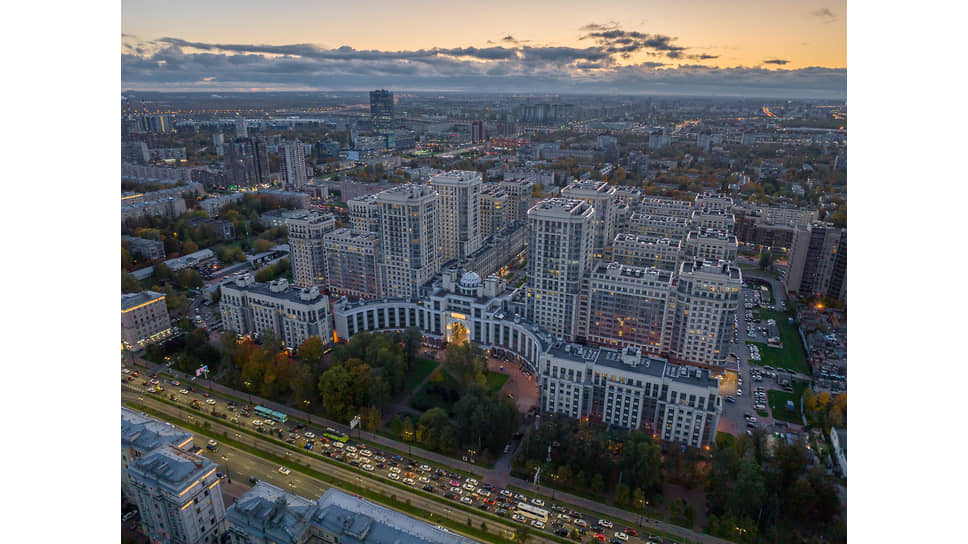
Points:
(769, 226)
(666, 207)
(240, 129)
(478, 132)
(306, 251)
(647, 251)
(246, 162)
(218, 140)
(519, 196)
(495, 209)
(292, 166)
(295, 314)
(706, 298)
(144, 320)
(713, 219)
(409, 238)
(141, 434)
(352, 261)
(178, 496)
(267, 514)
(136, 152)
(460, 213)
(625, 306)
(364, 213)
(561, 241)
(660, 226)
(628, 389)
(601, 196)
(818, 262)
(710, 245)
(381, 114)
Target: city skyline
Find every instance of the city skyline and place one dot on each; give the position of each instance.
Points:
(692, 47)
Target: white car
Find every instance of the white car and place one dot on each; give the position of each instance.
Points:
(368, 467)
(284, 470)
(125, 371)
(351, 449)
(395, 470)
(256, 423)
(424, 468)
(424, 480)
(393, 476)
(366, 453)
(466, 500)
(408, 481)
(537, 502)
(538, 524)
(310, 436)
(472, 481)
(468, 487)
(621, 536)
(184, 391)
(518, 517)
(605, 523)
(210, 401)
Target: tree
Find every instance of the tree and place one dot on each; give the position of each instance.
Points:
(304, 384)
(372, 419)
(129, 284)
(621, 494)
(271, 342)
(466, 363)
(766, 260)
(334, 389)
(412, 339)
(311, 351)
(261, 246)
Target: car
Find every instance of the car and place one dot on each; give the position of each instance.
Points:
(206, 395)
(605, 523)
(409, 481)
(351, 449)
(472, 481)
(466, 500)
(423, 480)
(454, 483)
(257, 422)
(220, 476)
(507, 449)
(308, 446)
(310, 436)
(600, 536)
(253, 480)
(518, 517)
(424, 468)
(449, 495)
(393, 476)
(284, 470)
(537, 502)
(739, 392)
(632, 531)
(184, 391)
(154, 381)
(621, 536)
(366, 453)
(176, 383)
(212, 445)
(395, 470)
(538, 524)
(468, 487)
(428, 488)
(210, 401)
(730, 399)
(368, 467)
(125, 371)
(152, 390)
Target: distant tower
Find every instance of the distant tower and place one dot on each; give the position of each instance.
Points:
(240, 130)
(381, 114)
(292, 166)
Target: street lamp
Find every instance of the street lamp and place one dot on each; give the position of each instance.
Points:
(228, 474)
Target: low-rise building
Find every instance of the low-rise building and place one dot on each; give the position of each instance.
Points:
(144, 320)
(148, 250)
(178, 496)
(295, 314)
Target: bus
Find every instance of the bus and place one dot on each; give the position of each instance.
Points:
(333, 434)
(532, 512)
(264, 412)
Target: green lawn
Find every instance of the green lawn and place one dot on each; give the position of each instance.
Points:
(792, 356)
(496, 380)
(421, 369)
(777, 402)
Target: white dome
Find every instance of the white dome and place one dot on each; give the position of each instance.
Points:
(470, 280)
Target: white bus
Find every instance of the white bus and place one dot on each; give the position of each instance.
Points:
(532, 512)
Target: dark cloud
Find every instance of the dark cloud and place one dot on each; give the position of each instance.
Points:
(779, 62)
(824, 14)
(172, 63)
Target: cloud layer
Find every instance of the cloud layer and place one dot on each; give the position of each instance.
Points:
(616, 61)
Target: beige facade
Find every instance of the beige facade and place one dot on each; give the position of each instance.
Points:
(144, 320)
(409, 238)
(306, 252)
(460, 213)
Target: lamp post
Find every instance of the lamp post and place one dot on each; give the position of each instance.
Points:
(228, 474)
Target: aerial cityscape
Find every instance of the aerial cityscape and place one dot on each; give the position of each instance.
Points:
(574, 280)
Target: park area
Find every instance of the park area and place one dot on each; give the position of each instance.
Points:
(442, 391)
(777, 401)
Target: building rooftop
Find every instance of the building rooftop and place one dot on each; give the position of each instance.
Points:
(561, 206)
(144, 433)
(278, 289)
(723, 268)
(133, 300)
(457, 177)
(271, 513)
(170, 467)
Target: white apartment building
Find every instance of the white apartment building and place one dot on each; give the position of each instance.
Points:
(295, 314)
(602, 197)
(364, 213)
(706, 298)
(646, 251)
(714, 201)
(292, 166)
(561, 241)
(711, 245)
(519, 195)
(409, 238)
(666, 207)
(659, 226)
(626, 306)
(495, 209)
(460, 212)
(627, 389)
(142, 434)
(352, 260)
(306, 250)
(713, 219)
(178, 496)
(144, 320)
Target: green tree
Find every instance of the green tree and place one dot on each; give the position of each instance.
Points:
(766, 260)
(311, 351)
(466, 362)
(304, 384)
(412, 340)
(261, 246)
(621, 494)
(335, 391)
(129, 284)
(373, 419)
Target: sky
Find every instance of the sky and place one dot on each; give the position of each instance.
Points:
(742, 47)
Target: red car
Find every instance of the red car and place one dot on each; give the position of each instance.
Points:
(207, 395)
(600, 536)
(631, 531)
